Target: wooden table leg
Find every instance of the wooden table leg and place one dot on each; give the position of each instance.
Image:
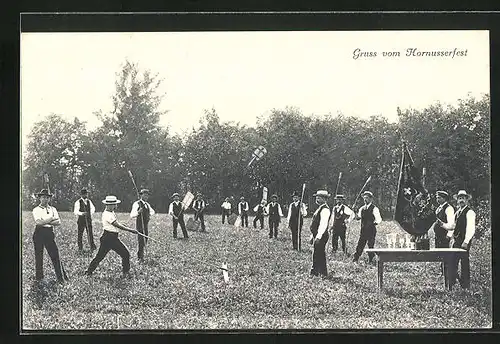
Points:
(466, 271)
(444, 264)
(450, 274)
(380, 266)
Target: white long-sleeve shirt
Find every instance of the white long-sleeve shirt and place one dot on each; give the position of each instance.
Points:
(280, 212)
(376, 213)
(135, 208)
(245, 208)
(226, 206)
(302, 208)
(450, 218)
(323, 221)
(42, 215)
(348, 211)
(470, 228)
(76, 208)
(171, 207)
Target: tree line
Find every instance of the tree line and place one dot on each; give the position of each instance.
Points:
(451, 142)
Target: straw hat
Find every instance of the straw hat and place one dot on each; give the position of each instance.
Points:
(111, 200)
(462, 193)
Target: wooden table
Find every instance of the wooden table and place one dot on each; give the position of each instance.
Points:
(444, 255)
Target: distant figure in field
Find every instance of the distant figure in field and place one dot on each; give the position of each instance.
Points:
(176, 210)
(46, 218)
(110, 240)
(141, 212)
(319, 233)
(243, 211)
(341, 216)
(199, 206)
(296, 218)
(260, 212)
(84, 209)
(370, 218)
(275, 215)
(226, 209)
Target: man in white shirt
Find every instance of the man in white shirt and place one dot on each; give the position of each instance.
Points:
(176, 209)
(109, 239)
(243, 211)
(341, 216)
(319, 230)
(275, 215)
(445, 219)
(260, 212)
(226, 209)
(84, 209)
(464, 230)
(141, 212)
(46, 218)
(295, 218)
(370, 218)
(199, 206)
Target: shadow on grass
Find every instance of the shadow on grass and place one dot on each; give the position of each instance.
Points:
(40, 291)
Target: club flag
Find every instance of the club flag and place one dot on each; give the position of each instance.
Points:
(264, 194)
(414, 207)
(187, 200)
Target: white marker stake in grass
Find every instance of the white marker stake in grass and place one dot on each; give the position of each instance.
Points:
(225, 272)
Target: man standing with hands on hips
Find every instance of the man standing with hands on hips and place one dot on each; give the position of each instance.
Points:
(84, 209)
(319, 236)
(464, 230)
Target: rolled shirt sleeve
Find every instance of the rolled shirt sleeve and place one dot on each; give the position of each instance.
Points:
(470, 230)
(376, 213)
(323, 222)
(76, 209)
(171, 209)
(280, 212)
(348, 211)
(289, 212)
(92, 207)
(450, 221)
(135, 208)
(151, 210)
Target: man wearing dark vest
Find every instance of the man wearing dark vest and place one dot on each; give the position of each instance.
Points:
(176, 210)
(141, 212)
(296, 219)
(260, 212)
(83, 209)
(275, 215)
(199, 206)
(370, 218)
(226, 209)
(243, 211)
(46, 218)
(445, 219)
(341, 216)
(465, 228)
(319, 233)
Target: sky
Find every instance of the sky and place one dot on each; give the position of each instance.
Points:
(244, 75)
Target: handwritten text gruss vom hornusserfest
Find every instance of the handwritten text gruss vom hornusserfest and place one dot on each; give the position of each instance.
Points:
(410, 52)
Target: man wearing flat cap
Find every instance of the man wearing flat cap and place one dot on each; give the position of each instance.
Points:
(319, 233)
(370, 218)
(84, 209)
(199, 206)
(46, 218)
(141, 212)
(275, 214)
(296, 218)
(341, 216)
(464, 230)
(445, 218)
(176, 209)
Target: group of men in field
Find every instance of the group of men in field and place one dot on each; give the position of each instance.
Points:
(452, 228)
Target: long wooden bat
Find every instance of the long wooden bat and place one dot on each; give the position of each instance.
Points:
(300, 213)
(352, 208)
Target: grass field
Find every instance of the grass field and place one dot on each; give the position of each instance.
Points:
(269, 287)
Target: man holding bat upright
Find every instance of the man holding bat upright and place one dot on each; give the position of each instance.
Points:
(370, 218)
(83, 209)
(296, 218)
(176, 209)
(141, 212)
(341, 216)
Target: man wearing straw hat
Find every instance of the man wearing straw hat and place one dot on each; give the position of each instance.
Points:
(275, 214)
(445, 218)
(46, 218)
(141, 212)
(296, 218)
(464, 230)
(370, 218)
(110, 240)
(319, 230)
(83, 209)
(176, 210)
(341, 216)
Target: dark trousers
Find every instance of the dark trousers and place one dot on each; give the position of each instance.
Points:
(464, 277)
(44, 237)
(338, 232)
(82, 226)
(201, 218)
(294, 228)
(319, 256)
(274, 222)
(225, 213)
(259, 218)
(367, 235)
(244, 219)
(110, 241)
(440, 239)
(180, 221)
(142, 241)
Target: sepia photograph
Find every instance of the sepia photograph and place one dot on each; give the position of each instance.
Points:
(255, 180)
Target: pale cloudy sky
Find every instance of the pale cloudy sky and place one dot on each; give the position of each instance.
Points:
(245, 74)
